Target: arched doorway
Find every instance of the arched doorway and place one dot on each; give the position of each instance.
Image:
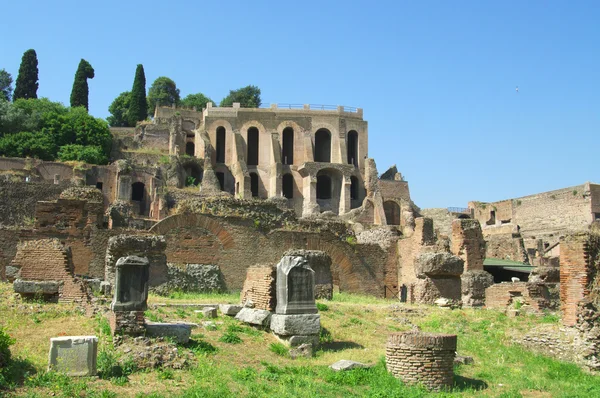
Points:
(252, 159)
(137, 195)
(323, 146)
(323, 187)
(190, 149)
(352, 147)
(220, 144)
(254, 184)
(392, 212)
(287, 146)
(287, 186)
(193, 173)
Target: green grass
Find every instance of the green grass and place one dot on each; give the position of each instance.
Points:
(196, 298)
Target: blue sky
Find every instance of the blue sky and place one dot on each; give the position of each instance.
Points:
(436, 79)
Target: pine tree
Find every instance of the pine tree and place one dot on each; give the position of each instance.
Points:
(138, 106)
(79, 94)
(27, 80)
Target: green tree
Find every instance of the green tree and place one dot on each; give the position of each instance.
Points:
(27, 80)
(80, 92)
(5, 85)
(89, 154)
(25, 144)
(198, 101)
(248, 97)
(138, 106)
(119, 110)
(27, 114)
(163, 92)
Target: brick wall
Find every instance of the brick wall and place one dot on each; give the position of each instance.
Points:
(533, 296)
(48, 260)
(468, 243)
(18, 199)
(579, 255)
(259, 287)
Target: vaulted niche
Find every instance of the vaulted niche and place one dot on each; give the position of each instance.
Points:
(287, 147)
(252, 159)
(220, 144)
(352, 147)
(323, 187)
(190, 148)
(323, 146)
(392, 212)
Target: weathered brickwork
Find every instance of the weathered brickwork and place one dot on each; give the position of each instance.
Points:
(18, 199)
(422, 358)
(468, 243)
(533, 297)
(579, 257)
(130, 323)
(49, 260)
(259, 287)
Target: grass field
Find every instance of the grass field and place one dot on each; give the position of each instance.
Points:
(234, 360)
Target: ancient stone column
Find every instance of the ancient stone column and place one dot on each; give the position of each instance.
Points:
(130, 295)
(422, 358)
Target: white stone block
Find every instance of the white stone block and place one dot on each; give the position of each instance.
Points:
(73, 355)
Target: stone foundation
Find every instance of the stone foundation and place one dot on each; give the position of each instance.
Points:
(533, 297)
(422, 358)
(130, 323)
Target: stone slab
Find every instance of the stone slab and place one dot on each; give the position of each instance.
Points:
(254, 316)
(73, 355)
(228, 309)
(296, 341)
(297, 324)
(438, 264)
(345, 364)
(209, 312)
(36, 287)
(179, 332)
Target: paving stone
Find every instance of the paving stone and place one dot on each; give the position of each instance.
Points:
(254, 316)
(345, 364)
(229, 309)
(179, 332)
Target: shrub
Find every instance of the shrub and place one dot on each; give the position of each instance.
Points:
(89, 154)
(5, 342)
(322, 307)
(230, 338)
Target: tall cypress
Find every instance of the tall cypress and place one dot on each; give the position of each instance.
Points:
(27, 81)
(138, 106)
(79, 94)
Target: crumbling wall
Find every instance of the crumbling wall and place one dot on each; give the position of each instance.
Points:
(259, 287)
(533, 297)
(48, 260)
(150, 246)
(506, 247)
(18, 199)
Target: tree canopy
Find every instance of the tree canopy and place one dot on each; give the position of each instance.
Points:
(80, 92)
(48, 130)
(163, 92)
(198, 101)
(27, 80)
(248, 97)
(138, 105)
(120, 109)
(5, 85)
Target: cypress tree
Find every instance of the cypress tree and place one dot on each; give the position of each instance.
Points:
(79, 94)
(138, 106)
(27, 80)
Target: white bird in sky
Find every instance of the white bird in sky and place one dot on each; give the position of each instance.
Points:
(517, 89)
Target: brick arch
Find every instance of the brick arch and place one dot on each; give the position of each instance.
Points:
(186, 220)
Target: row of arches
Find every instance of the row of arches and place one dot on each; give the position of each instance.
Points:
(322, 151)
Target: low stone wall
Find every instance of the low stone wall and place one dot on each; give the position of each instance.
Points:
(533, 297)
(259, 287)
(422, 358)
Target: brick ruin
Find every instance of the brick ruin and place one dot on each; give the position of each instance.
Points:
(259, 288)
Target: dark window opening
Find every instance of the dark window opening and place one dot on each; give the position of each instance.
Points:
(392, 213)
(254, 184)
(190, 149)
(137, 191)
(323, 146)
(492, 219)
(221, 178)
(99, 185)
(194, 175)
(220, 144)
(323, 187)
(353, 148)
(252, 146)
(353, 188)
(287, 156)
(287, 186)
(596, 216)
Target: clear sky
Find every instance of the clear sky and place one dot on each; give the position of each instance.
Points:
(436, 79)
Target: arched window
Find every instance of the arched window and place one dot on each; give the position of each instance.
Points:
(353, 188)
(392, 212)
(287, 147)
(220, 144)
(323, 187)
(323, 146)
(254, 184)
(137, 191)
(252, 159)
(190, 149)
(352, 147)
(287, 186)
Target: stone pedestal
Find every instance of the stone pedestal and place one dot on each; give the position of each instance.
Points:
(422, 358)
(73, 355)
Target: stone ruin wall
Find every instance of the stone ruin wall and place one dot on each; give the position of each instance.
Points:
(533, 297)
(259, 287)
